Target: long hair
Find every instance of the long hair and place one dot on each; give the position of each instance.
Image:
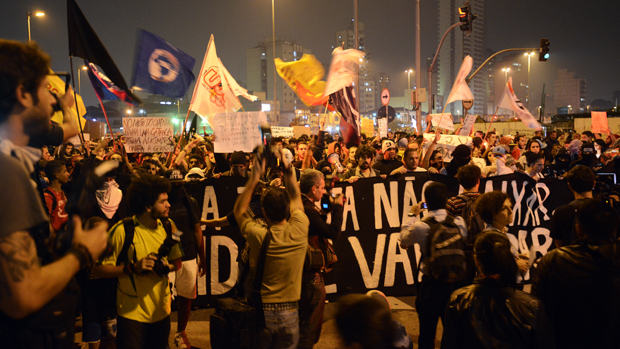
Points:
(492, 252)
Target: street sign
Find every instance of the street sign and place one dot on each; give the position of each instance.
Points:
(385, 96)
(468, 104)
(391, 113)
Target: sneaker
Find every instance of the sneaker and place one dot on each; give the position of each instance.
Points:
(181, 341)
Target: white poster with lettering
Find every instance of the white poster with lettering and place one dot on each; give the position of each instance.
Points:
(446, 144)
(237, 131)
(282, 131)
(383, 127)
(148, 135)
(444, 121)
(468, 125)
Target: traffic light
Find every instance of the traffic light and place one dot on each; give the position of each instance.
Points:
(466, 18)
(544, 50)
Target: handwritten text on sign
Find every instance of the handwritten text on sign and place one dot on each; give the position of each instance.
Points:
(282, 131)
(444, 121)
(148, 135)
(237, 131)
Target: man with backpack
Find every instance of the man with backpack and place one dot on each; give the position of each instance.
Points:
(441, 240)
(463, 206)
(146, 249)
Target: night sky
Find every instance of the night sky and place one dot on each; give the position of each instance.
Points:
(583, 34)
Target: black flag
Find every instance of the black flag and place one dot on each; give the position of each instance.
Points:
(84, 43)
(192, 129)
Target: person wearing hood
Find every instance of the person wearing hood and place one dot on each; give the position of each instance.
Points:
(461, 156)
(491, 313)
(587, 158)
(579, 284)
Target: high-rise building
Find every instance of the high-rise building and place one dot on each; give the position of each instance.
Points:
(367, 87)
(570, 92)
(260, 68)
(455, 48)
(505, 67)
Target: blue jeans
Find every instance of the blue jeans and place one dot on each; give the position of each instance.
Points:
(281, 330)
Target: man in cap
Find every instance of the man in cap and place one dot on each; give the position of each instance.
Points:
(238, 165)
(388, 163)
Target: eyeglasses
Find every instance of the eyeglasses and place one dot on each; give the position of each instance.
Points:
(509, 208)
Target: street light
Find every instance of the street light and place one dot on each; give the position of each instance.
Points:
(527, 88)
(505, 70)
(36, 14)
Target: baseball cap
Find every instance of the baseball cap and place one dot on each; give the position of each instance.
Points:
(387, 145)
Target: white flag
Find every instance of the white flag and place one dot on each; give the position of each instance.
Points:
(510, 101)
(343, 69)
(234, 86)
(212, 93)
(460, 90)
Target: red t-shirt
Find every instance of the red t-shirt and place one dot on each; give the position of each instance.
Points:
(58, 216)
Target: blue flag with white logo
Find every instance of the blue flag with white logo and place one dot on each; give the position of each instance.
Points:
(161, 68)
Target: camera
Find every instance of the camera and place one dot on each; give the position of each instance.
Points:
(263, 151)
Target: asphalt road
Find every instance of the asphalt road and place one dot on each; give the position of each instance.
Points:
(403, 310)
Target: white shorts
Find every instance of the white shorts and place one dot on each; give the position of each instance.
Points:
(185, 279)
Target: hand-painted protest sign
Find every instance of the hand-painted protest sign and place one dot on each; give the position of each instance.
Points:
(599, 122)
(446, 144)
(282, 131)
(148, 135)
(237, 131)
(383, 127)
(468, 125)
(369, 253)
(444, 121)
(368, 127)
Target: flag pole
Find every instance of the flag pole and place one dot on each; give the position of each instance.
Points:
(106, 119)
(493, 118)
(77, 111)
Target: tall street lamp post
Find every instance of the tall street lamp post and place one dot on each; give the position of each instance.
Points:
(505, 70)
(527, 88)
(409, 71)
(36, 14)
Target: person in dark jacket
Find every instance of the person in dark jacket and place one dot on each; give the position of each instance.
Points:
(312, 302)
(491, 313)
(580, 284)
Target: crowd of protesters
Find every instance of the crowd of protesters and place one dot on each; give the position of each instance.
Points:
(139, 199)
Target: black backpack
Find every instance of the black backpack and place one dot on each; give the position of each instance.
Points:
(445, 255)
(473, 222)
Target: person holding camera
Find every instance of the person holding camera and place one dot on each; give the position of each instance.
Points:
(38, 294)
(285, 255)
(143, 296)
(312, 302)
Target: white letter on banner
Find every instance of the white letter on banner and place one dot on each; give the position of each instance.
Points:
(349, 206)
(391, 209)
(489, 186)
(370, 280)
(418, 256)
(218, 287)
(541, 201)
(393, 258)
(210, 205)
(409, 199)
(518, 198)
(536, 233)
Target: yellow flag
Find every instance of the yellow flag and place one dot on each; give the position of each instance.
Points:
(57, 86)
(304, 77)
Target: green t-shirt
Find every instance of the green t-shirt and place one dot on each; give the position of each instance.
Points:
(142, 298)
(285, 257)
